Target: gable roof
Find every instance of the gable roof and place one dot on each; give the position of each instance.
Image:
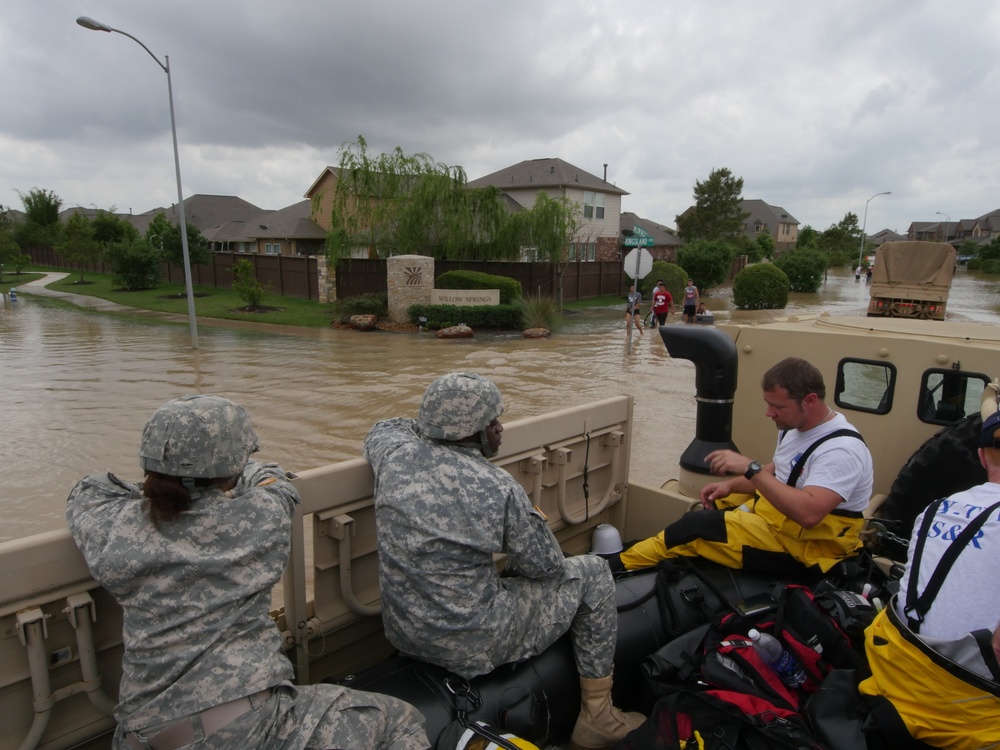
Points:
(662, 236)
(291, 221)
(206, 211)
(766, 214)
(885, 235)
(335, 171)
(539, 174)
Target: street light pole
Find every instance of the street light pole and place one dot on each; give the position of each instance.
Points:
(861, 250)
(90, 23)
(947, 221)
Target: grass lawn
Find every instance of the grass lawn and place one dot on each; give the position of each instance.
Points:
(17, 279)
(209, 302)
(222, 303)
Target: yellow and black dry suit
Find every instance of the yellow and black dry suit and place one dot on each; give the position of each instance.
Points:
(940, 702)
(758, 537)
(761, 539)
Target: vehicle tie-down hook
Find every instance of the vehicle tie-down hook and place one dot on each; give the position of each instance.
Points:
(341, 527)
(32, 631)
(561, 457)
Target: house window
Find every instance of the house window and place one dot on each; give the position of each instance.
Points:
(272, 249)
(757, 227)
(593, 205)
(579, 252)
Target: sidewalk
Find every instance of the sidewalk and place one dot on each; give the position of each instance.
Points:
(38, 288)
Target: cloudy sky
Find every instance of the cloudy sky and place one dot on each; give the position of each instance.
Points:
(816, 105)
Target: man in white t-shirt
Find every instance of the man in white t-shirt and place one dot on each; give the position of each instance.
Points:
(803, 510)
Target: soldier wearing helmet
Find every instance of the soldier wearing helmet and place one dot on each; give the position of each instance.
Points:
(442, 512)
(191, 555)
(460, 408)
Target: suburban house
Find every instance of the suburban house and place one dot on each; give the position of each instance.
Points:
(885, 235)
(763, 217)
(665, 239)
(320, 196)
(233, 225)
(981, 230)
(776, 221)
(598, 237)
(288, 231)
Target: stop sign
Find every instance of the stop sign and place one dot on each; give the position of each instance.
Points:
(638, 263)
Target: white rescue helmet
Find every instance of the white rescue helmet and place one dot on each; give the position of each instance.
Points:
(198, 437)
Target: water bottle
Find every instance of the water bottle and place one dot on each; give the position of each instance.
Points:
(782, 663)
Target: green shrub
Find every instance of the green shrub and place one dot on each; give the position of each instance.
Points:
(708, 262)
(134, 264)
(674, 278)
(804, 269)
(762, 286)
(538, 312)
(510, 289)
(497, 317)
(246, 285)
(991, 266)
(365, 304)
(975, 264)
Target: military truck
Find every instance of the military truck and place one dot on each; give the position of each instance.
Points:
(911, 280)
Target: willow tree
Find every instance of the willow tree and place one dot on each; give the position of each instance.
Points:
(551, 225)
(396, 203)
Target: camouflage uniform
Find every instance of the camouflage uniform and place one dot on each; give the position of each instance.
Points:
(442, 511)
(196, 595)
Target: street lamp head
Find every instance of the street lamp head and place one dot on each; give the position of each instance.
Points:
(90, 23)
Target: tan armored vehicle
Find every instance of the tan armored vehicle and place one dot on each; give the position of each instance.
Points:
(911, 387)
(911, 280)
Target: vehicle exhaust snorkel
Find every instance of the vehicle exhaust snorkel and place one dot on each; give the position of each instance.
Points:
(714, 356)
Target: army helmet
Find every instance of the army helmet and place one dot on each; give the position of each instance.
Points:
(201, 437)
(458, 405)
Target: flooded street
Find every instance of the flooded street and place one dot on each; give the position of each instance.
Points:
(77, 386)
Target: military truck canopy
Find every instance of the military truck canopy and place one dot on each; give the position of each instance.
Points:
(927, 264)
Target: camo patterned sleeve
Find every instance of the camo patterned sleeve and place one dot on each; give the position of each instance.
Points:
(532, 549)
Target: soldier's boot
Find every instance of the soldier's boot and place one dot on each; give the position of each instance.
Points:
(600, 725)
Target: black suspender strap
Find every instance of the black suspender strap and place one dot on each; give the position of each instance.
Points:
(918, 606)
(801, 463)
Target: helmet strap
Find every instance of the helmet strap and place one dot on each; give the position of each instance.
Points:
(190, 485)
(484, 445)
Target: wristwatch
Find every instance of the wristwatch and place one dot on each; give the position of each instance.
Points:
(753, 468)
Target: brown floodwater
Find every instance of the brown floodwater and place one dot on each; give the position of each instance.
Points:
(76, 387)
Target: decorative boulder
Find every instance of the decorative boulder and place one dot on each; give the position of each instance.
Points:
(363, 322)
(536, 333)
(455, 332)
